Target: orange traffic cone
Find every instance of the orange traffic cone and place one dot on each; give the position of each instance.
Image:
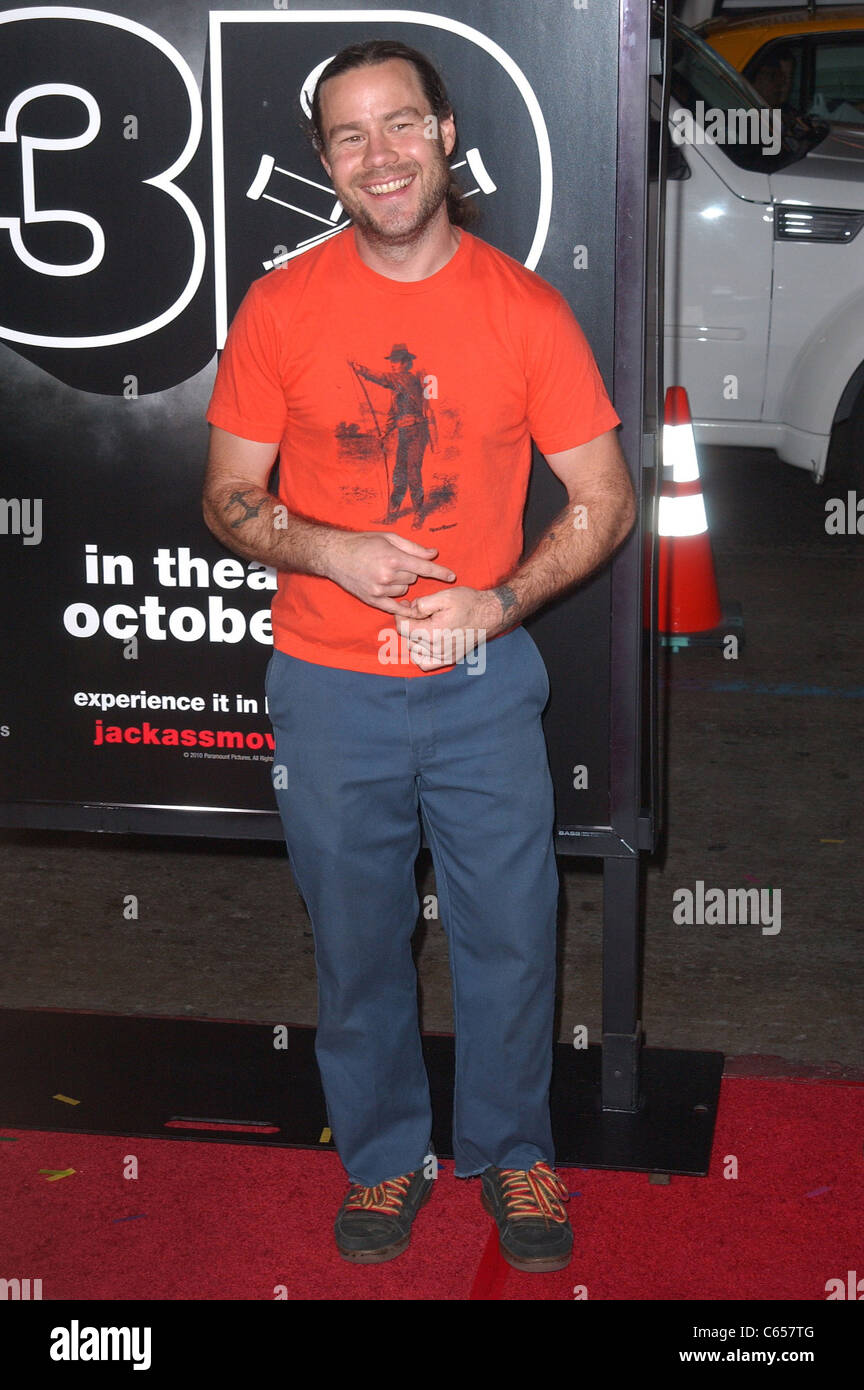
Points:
(688, 605)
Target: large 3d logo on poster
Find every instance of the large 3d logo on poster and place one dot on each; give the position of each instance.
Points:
(113, 197)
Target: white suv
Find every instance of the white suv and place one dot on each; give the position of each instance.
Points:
(764, 294)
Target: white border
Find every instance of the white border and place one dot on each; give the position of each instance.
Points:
(162, 181)
(431, 21)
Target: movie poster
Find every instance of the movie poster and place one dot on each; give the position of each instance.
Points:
(153, 162)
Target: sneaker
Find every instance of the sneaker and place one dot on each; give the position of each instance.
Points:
(374, 1223)
(526, 1204)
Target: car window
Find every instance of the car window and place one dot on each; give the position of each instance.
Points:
(747, 9)
(838, 79)
(699, 75)
(777, 73)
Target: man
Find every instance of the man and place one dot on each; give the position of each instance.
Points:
(774, 76)
(367, 744)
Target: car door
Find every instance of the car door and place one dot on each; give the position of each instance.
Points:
(719, 248)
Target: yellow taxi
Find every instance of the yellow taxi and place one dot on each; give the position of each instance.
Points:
(806, 61)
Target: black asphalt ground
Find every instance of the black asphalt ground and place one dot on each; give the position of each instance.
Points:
(764, 790)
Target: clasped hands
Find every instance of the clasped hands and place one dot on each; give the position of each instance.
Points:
(445, 626)
(440, 628)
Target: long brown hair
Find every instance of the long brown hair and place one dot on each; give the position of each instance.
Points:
(371, 54)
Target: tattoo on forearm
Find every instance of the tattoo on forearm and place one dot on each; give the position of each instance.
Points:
(238, 499)
(509, 601)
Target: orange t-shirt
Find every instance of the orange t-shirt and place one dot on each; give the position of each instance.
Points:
(406, 407)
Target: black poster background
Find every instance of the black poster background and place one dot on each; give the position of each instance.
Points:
(111, 437)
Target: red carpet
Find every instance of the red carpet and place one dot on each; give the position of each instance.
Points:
(225, 1221)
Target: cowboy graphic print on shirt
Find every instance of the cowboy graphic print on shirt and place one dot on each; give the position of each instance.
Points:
(403, 438)
(409, 423)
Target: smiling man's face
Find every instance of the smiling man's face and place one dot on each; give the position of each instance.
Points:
(387, 161)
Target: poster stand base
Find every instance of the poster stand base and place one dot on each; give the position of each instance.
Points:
(670, 1131)
(257, 1083)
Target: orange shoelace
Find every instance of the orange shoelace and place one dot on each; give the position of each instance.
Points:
(534, 1192)
(387, 1197)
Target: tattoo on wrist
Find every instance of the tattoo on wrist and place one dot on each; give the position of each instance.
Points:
(509, 601)
(238, 499)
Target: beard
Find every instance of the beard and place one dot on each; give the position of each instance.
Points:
(395, 228)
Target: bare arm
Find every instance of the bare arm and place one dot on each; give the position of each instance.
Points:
(243, 515)
(376, 567)
(599, 515)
